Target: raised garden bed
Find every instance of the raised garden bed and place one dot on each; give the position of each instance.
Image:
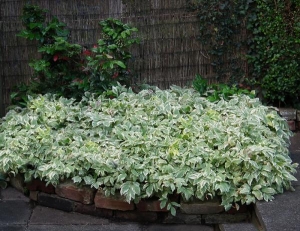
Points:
(154, 144)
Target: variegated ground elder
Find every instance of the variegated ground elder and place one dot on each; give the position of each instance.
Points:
(152, 144)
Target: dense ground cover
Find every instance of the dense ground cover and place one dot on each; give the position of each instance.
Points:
(154, 143)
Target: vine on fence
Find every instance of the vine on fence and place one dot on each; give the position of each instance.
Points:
(275, 50)
(68, 69)
(219, 23)
(272, 45)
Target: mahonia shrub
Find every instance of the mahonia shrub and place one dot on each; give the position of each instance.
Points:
(154, 143)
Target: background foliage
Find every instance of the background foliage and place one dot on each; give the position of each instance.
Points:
(221, 26)
(168, 54)
(216, 92)
(68, 69)
(271, 45)
(275, 50)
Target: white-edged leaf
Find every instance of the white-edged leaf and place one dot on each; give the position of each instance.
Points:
(77, 179)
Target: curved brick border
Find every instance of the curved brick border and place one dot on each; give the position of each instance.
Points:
(71, 198)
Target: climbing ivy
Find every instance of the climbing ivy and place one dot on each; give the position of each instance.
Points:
(219, 24)
(272, 44)
(275, 50)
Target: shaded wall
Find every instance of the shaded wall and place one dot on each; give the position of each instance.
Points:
(169, 52)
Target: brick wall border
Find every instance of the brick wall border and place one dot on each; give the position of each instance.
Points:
(69, 197)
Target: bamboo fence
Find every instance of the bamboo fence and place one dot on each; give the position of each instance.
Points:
(169, 52)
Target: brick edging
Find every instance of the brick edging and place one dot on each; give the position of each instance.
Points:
(292, 116)
(69, 197)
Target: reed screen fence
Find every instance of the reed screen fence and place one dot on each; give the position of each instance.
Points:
(169, 53)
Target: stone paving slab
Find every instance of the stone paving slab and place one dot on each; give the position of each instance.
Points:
(12, 194)
(111, 227)
(13, 228)
(295, 143)
(238, 227)
(179, 228)
(281, 214)
(14, 212)
(296, 159)
(48, 216)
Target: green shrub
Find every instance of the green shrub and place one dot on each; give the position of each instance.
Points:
(216, 92)
(274, 50)
(67, 69)
(219, 25)
(154, 143)
(271, 44)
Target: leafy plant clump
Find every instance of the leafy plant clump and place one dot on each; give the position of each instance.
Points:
(216, 92)
(271, 45)
(68, 69)
(154, 143)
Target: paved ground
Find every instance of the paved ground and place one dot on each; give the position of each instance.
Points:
(18, 214)
(283, 213)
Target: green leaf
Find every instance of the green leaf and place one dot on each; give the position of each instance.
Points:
(173, 211)
(120, 63)
(163, 203)
(89, 180)
(245, 189)
(130, 189)
(257, 187)
(121, 177)
(258, 194)
(227, 207)
(149, 190)
(289, 176)
(268, 190)
(223, 187)
(77, 179)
